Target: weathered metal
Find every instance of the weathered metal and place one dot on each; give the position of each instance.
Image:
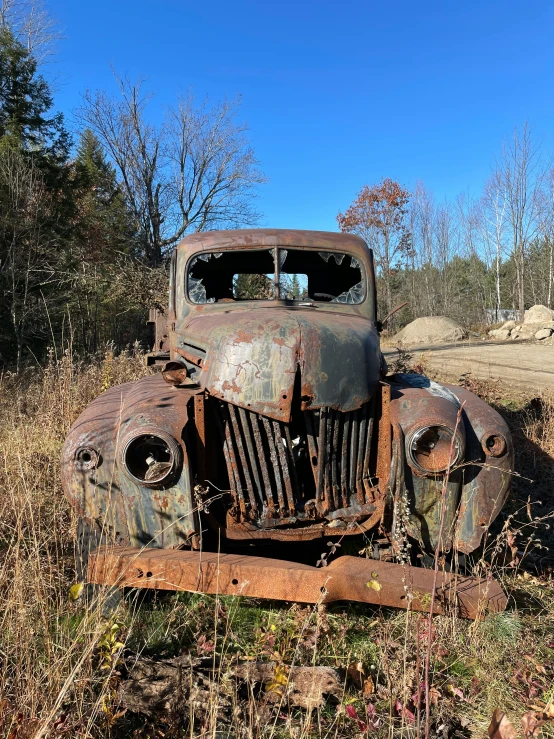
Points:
(274, 419)
(478, 484)
(344, 579)
(252, 357)
(105, 495)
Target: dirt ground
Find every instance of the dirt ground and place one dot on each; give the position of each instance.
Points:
(523, 365)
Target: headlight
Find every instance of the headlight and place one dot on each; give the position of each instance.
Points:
(428, 449)
(151, 458)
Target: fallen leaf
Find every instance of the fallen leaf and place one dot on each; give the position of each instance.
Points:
(75, 591)
(374, 585)
(355, 671)
(531, 724)
(539, 668)
(351, 711)
(457, 692)
(501, 727)
(548, 710)
(372, 720)
(403, 711)
(279, 681)
(204, 646)
(369, 687)
(434, 695)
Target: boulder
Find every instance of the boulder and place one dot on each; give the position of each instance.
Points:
(538, 314)
(508, 326)
(543, 333)
(500, 333)
(524, 331)
(431, 330)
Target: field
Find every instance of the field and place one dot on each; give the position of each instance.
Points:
(64, 663)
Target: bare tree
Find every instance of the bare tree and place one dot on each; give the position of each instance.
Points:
(546, 228)
(520, 173)
(492, 225)
(195, 171)
(422, 218)
(32, 25)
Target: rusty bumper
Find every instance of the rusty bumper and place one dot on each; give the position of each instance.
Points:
(345, 579)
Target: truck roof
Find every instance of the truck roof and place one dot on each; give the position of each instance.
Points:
(269, 237)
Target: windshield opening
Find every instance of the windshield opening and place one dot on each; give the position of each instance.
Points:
(324, 276)
(225, 277)
(250, 274)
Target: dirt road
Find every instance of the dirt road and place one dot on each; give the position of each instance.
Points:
(527, 366)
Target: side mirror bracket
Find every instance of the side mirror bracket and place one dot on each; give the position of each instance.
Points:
(380, 324)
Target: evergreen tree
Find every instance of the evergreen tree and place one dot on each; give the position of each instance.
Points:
(25, 105)
(296, 291)
(252, 287)
(103, 234)
(105, 226)
(35, 202)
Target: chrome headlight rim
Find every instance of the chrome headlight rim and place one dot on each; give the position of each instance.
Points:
(416, 434)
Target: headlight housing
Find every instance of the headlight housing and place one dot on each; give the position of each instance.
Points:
(152, 457)
(428, 449)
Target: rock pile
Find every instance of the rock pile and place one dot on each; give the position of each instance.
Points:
(430, 330)
(538, 324)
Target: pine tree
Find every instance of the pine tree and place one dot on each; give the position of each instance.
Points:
(35, 203)
(104, 223)
(103, 234)
(253, 287)
(25, 105)
(295, 289)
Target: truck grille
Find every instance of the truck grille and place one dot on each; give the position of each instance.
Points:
(279, 473)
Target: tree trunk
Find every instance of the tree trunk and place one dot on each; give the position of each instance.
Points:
(549, 300)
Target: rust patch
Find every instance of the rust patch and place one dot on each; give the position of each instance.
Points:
(384, 440)
(243, 337)
(231, 386)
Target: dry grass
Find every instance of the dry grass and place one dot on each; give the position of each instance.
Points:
(52, 650)
(45, 642)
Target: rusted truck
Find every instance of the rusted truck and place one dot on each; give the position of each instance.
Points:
(275, 428)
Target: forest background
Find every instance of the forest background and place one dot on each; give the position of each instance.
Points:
(88, 218)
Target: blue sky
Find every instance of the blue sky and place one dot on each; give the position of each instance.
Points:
(336, 94)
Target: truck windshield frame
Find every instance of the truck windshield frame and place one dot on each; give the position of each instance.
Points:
(291, 275)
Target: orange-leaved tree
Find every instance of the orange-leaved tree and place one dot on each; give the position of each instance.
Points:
(378, 215)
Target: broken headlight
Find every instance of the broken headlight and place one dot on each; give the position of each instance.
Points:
(152, 459)
(431, 450)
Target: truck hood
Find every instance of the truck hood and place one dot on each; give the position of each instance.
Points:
(252, 358)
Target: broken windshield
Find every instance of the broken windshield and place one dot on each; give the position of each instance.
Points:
(251, 274)
(324, 276)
